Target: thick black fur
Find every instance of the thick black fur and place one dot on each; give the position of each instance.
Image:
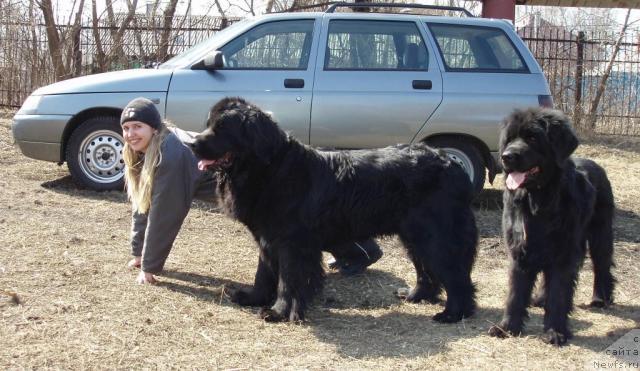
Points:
(550, 219)
(298, 201)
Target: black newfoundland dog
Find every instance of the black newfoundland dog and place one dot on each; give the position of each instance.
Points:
(554, 207)
(297, 202)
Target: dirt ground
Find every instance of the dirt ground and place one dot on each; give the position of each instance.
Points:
(67, 300)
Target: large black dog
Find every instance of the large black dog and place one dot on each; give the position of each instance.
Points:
(298, 201)
(553, 207)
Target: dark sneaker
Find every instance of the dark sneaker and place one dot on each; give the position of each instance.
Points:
(371, 253)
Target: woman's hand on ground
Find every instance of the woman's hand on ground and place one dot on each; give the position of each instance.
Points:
(135, 262)
(144, 277)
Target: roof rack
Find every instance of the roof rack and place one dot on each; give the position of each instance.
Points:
(333, 7)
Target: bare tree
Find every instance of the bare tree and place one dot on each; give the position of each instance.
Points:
(106, 56)
(138, 35)
(117, 40)
(222, 14)
(116, 32)
(111, 17)
(595, 102)
(95, 21)
(167, 19)
(64, 44)
(601, 19)
(270, 4)
(471, 5)
(245, 6)
(74, 57)
(53, 39)
(35, 66)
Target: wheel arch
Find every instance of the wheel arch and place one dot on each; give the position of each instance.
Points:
(78, 119)
(489, 162)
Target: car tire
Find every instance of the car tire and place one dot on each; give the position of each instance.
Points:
(467, 155)
(94, 154)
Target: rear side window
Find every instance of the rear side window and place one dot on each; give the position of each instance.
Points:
(274, 45)
(375, 45)
(472, 48)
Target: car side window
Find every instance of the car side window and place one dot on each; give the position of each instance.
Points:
(375, 45)
(469, 48)
(274, 45)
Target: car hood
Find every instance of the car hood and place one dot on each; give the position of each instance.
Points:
(137, 80)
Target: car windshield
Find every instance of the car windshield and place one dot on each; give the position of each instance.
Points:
(200, 48)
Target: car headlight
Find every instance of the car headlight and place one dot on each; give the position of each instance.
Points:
(30, 105)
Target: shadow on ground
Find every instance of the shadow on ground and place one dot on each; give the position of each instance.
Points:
(397, 334)
(626, 225)
(67, 186)
(205, 288)
(373, 290)
(598, 343)
(403, 335)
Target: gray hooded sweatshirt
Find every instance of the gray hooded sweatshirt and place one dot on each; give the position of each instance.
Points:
(177, 181)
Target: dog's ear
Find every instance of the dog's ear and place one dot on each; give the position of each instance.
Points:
(263, 134)
(502, 141)
(561, 136)
(517, 116)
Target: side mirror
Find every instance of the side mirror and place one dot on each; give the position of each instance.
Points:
(211, 62)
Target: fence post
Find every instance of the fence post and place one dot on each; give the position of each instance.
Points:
(577, 114)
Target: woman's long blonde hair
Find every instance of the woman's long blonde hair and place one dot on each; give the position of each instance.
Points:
(140, 170)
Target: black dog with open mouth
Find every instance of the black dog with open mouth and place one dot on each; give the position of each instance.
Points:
(297, 201)
(554, 206)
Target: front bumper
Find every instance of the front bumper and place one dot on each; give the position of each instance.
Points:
(40, 136)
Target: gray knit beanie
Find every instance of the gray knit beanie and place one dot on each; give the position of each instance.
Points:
(143, 110)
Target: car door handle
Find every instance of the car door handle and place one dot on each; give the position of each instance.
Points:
(421, 84)
(294, 83)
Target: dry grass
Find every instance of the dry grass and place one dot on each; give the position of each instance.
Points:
(67, 301)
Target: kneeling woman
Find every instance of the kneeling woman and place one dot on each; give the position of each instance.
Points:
(162, 179)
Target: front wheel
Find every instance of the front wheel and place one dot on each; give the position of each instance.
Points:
(466, 155)
(94, 154)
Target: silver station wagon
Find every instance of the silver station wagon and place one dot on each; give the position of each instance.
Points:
(332, 79)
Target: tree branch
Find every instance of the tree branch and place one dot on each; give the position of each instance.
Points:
(592, 118)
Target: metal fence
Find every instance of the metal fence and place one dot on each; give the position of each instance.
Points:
(25, 62)
(573, 62)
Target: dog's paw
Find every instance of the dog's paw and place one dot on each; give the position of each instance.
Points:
(557, 338)
(270, 315)
(295, 317)
(503, 330)
(238, 296)
(497, 332)
(416, 296)
(447, 317)
(600, 303)
(402, 292)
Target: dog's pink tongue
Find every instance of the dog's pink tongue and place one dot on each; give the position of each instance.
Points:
(203, 164)
(515, 180)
